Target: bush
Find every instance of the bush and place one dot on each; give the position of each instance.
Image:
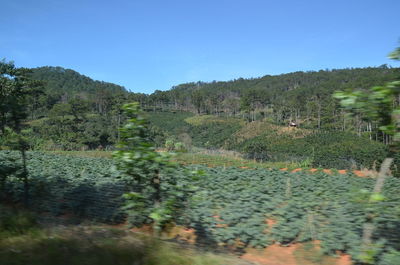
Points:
(170, 145)
(16, 222)
(180, 147)
(324, 149)
(345, 150)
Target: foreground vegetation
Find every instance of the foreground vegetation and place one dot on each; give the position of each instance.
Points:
(231, 207)
(23, 241)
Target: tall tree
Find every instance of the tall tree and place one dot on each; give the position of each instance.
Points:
(15, 87)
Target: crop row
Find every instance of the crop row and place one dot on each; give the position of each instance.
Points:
(231, 206)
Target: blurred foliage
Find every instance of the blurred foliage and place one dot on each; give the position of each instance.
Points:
(15, 222)
(23, 242)
(380, 104)
(339, 150)
(156, 189)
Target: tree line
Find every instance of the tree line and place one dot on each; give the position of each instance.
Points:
(71, 111)
(301, 97)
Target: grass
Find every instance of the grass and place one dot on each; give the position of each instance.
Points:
(23, 242)
(204, 157)
(263, 127)
(221, 160)
(94, 153)
(100, 246)
(199, 120)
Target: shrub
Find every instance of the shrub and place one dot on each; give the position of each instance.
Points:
(324, 149)
(16, 222)
(170, 145)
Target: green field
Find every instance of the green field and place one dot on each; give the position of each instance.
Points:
(230, 204)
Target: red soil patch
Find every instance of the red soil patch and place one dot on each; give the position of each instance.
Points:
(296, 170)
(147, 229)
(313, 170)
(366, 173)
(172, 231)
(181, 233)
(218, 219)
(344, 260)
(342, 171)
(359, 173)
(272, 255)
(327, 171)
(295, 254)
(270, 223)
(283, 169)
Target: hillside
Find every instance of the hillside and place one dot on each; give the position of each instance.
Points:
(66, 86)
(303, 97)
(58, 79)
(250, 116)
(264, 141)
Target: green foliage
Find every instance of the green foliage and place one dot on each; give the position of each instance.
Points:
(228, 204)
(234, 204)
(180, 147)
(379, 103)
(390, 257)
(16, 222)
(66, 185)
(60, 80)
(72, 104)
(97, 245)
(169, 144)
(157, 190)
(16, 88)
(324, 149)
(263, 141)
(215, 133)
(67, 133)
(171, 122)
(201, 131)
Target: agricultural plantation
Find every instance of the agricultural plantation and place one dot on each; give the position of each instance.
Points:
(292, 158)
(232, 208)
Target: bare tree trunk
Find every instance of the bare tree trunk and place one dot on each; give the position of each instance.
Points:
(25, 178)
(368, 228)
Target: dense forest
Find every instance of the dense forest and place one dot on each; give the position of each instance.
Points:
(69, 111)
(302, 97)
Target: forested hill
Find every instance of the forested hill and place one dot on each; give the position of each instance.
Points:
(303, 97)
(75, 93)
(58, 79)
(251, 116)
(295, 92)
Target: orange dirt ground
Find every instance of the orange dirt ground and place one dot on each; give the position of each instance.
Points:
(295, 254)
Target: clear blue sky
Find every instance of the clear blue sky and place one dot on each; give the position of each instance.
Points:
(146, 45)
